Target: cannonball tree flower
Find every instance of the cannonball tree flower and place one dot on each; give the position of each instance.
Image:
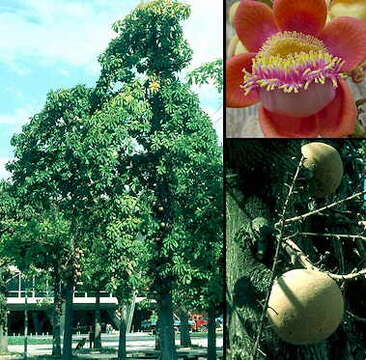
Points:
(294, 66)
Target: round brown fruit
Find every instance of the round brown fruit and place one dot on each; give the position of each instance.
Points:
(305, 306)
(326, 165)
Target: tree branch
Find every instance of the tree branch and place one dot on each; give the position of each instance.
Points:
(358, 318)
(294, 251)
(314, 212)
(333, 235)
(275, 261)
(350, 276)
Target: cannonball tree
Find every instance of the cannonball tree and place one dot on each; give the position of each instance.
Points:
(178, 143)
(52, 167)
(138, 132)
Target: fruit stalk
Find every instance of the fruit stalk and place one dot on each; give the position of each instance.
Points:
(274, 266)
(317, 211)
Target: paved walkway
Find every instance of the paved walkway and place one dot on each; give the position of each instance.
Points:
(135, 342)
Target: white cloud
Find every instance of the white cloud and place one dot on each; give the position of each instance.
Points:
(64, 72)
(77, 32)
(204, 30)
(53, 31)
(3, 173)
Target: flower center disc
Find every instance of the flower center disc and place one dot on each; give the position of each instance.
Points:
(298, 70)
(290, 42)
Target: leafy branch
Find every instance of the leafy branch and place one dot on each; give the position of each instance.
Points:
(211, 71)
(297, 254)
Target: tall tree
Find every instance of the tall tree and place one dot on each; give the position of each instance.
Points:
(36, 238)
(115, 261)
(10, 212)
(46, 171)
(178, 144)
(72, 156)
(140, 134)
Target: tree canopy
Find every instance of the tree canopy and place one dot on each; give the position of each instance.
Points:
(127, 173)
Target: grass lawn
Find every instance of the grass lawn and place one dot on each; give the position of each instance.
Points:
(19, 340)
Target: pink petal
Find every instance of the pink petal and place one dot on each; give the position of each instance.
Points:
(345, 37)
(254, 23)
(305, 16)
(234, 79)
(337, 119)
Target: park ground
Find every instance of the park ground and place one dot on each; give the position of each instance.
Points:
(139, 344)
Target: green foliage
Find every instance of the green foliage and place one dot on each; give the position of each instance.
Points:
(178, 165)
(19, 340)
(46, 170)
(115, 258)
(211, 71)
(129, 171)
(42, 241)
(150, 41)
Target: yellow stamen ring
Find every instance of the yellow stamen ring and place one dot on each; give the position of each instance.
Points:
(291, 61)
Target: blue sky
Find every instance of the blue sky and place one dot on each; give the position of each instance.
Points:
(52, 44)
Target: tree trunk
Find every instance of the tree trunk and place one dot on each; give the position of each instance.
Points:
(122, 333)
(57, 317)
(3, 339)
(166, 327)
(115, 319)
(157, 337)
(185, 338)
(26, 324)
(130, 313)
(62, 319)
(241, 290)
(67, 348)
(3, 315)
(37, 322)
(211, 348)
(97, 323)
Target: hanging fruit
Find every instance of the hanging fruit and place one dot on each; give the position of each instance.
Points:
(305, 306)
(326, 168)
